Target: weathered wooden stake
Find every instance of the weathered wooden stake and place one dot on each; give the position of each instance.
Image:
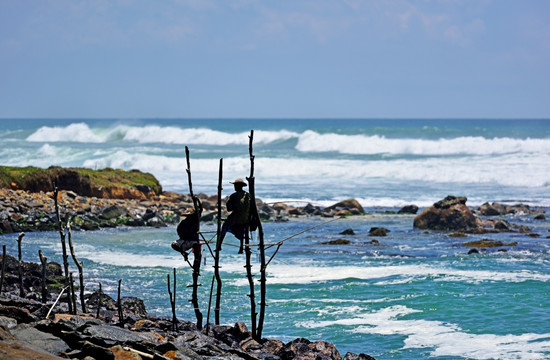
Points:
(261, 244)
(197, 250)
(3, 267)
(119, 303)
(20, 265)
(99, 301)
(80, 271)
(72, 293)
(44, 262)
(173, 302)
(64, 248)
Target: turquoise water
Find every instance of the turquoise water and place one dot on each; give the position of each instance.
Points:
(415, 295)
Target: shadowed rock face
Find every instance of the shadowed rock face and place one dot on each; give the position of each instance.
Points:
(450, 213)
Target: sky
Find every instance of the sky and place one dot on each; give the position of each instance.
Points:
(274, 59)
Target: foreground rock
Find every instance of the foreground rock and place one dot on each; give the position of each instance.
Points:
(25, 333)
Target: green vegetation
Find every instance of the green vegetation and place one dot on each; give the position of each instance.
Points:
(83, 181)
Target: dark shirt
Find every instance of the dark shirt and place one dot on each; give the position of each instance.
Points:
(239, 205)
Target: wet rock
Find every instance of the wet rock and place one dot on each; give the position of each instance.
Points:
(352, 356)
(336, 242)
(450, 213)
(304, 349)
(540, 217)
(378, 231)
(473, 251)
(408, 209)
(112, 212)
(347, 204)
(348, 232)
(485, 243)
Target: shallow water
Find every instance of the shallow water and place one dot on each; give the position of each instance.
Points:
(414, 295)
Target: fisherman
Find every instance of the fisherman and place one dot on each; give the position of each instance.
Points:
(188, 232)
(237, 222)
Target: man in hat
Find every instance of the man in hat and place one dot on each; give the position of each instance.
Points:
(239, 205)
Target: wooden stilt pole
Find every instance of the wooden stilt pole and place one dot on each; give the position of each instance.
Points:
(197, 250)
(218, 246)
(261, 244)
(119, 303)
(173, 302)
(64, 248)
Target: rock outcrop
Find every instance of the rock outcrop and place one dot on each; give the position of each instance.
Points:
(449, 214)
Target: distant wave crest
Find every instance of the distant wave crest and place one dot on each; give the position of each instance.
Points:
(311, 141)
(81, 132)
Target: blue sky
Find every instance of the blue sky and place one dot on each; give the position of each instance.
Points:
(275, 59)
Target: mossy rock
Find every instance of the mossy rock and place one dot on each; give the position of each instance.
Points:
(485, 243)
(336, 242)
(102, 183)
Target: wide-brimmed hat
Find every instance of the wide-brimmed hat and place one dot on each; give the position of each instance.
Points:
(238, 181)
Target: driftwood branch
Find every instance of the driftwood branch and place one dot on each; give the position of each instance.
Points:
(44, 262)
(56, 300)
(20, 265)
(79, 266)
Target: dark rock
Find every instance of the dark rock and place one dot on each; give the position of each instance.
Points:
(38, 340)
(374, 242)
(21, 315)
(347, 204)
(348, 232)
(156, 222)
(408, 209)
(449, 201)
(336, 242)
(112, 335)
(376, 231)
(352, 356)
(304, 349)
(485, 243)
(450, 213)
(96, 351)
(473, 251)
(112, 212)
(540, 217)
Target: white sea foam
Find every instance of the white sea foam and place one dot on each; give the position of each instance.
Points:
(311, 141)
(81, 132)
(444, 338)
(527, 171)
(78, 132)
(286, 274)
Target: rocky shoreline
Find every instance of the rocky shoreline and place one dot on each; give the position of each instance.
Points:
(31, 329)
(25, 211)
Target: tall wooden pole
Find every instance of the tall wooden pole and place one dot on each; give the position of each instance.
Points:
(218, 246)
(197, 251)
(261, 244)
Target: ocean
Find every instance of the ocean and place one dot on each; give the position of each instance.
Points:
(412, 295)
